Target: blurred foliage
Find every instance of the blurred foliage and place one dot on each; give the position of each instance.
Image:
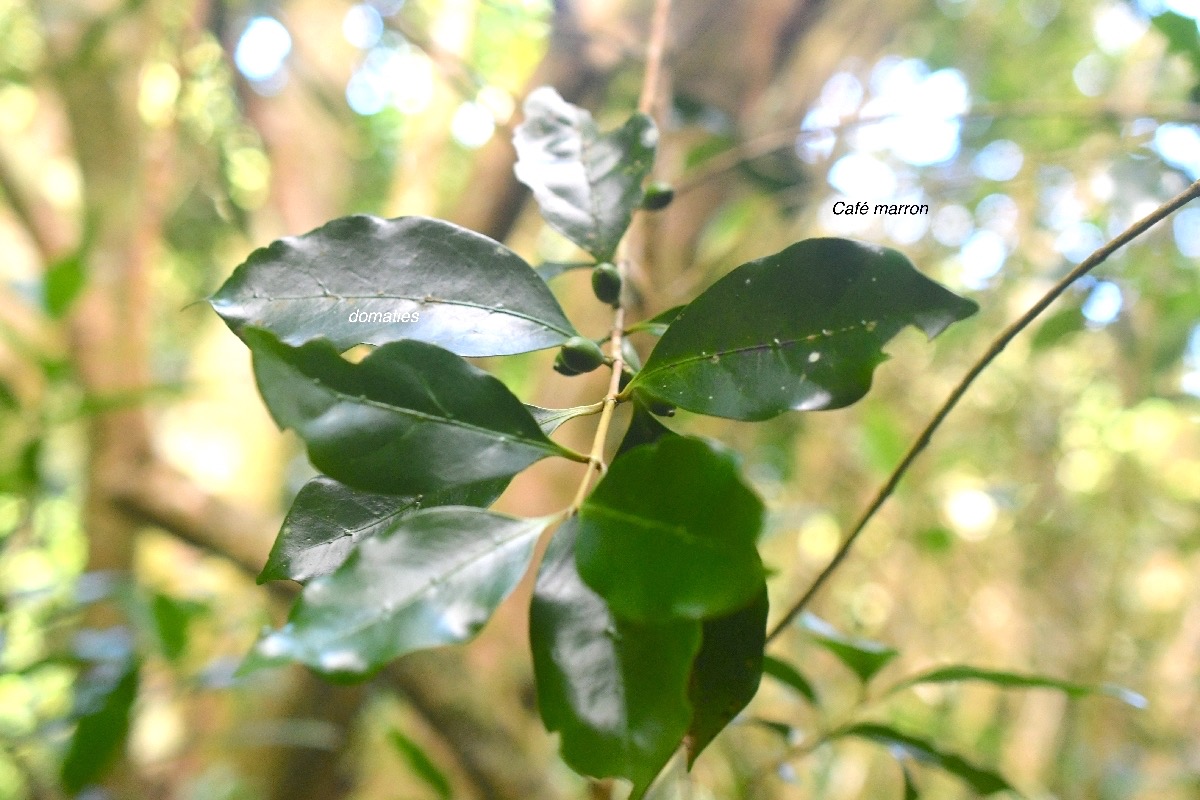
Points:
(1052, 528)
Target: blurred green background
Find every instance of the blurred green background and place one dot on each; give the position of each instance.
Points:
(146, 146)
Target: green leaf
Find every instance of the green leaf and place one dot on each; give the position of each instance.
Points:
(658, 324)
(64, 281)
(670, 532)
(788, 675)
(781, 729)
(862, 656)
(586, 183)
(910, 785)
(615, 690)
(551, 419)
(172, 618)
(644, 428)
(421, 764)
(434, 578)
(103, 725)
(408, 419)
(799, 330)
(1016, 680)
(981, 780)
(328, 519)
(1182, 33)
(365, 280)
(1056, 328)
(727, 671)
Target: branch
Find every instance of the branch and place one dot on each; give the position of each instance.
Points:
(994, 349)
(646, 103)
(772, 141)
(157, 494)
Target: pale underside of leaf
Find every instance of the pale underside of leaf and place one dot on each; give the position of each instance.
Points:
(364, 280)
(433, 579)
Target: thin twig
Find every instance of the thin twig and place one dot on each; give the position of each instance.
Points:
(654, 57)
(772, 141)
(650, 83)
(994, 349)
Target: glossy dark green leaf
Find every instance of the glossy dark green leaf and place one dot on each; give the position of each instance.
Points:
(409, 419)
(1016, 680)
(103, 724)
(421, 764)
(616, 691)
(365, 280)
(658, 324)
(983, 781)
(586, 183)
(802, 329)
(327, 519)
(727, 671)
(788, 675)
(863, 656)
(434, 578)
(670, 532)
(644, 428)
(551, 419)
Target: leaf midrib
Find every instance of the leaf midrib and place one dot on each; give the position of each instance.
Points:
(546, 445)
(734, 351)
(407, 601)
(679, 532)
(422, 300)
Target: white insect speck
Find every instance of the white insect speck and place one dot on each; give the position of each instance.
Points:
(814, 358)
(747, 281)
(776, 343)
(715, 358)
(341, 661)
(826, 332)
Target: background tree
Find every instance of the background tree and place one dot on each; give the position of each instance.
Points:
(149, 145)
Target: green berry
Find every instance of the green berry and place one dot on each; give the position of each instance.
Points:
(581, 355)
(560, 366)
(606, 283)
(658, 196)
(661, 409)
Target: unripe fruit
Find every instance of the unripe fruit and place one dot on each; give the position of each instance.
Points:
(661, 409)
(606, 283)
(658, 196)
(560, 366)
(581, 354)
